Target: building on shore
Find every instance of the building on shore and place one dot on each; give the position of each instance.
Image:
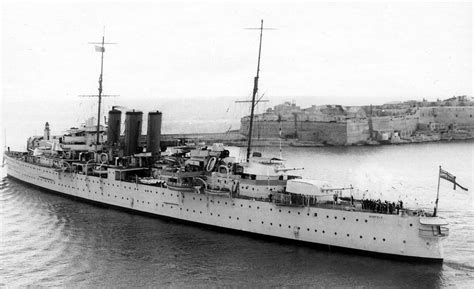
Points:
(349, 125)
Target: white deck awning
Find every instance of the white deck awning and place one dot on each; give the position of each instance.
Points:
(308, 187)
(433, 221)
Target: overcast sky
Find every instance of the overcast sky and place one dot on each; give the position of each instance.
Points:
(193, 60)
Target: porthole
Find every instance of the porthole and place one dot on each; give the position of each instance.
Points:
(238, 218)
(347, 235)
(262, 222)
(307, 214)
(315, 214)
(375, 238)
(383, 239)
(327, 217)
(307, 229)
(411, 225)
(250, 207)
(194, 211)
(226, 203)
(324, 232)
(218, 215)
(335, 233)
(279, 225)
(187, 210)
(315, 230)
(279, 211)
(404, 242)
(194, 198)
(289, 212)
(335, 217)
(343, 218)
(230, 217)
(241, 205)
(357, 220)
(271, 224)
(258, 208)
(250, 220)
(360, 237)
(366, 221)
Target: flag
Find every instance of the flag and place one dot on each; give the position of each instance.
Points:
(450, 178)
(99, 49)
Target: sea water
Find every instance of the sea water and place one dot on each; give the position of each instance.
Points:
(50, 240)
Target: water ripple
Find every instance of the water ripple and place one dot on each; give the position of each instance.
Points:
(48, 240)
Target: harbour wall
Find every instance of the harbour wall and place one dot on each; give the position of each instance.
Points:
(366, 129)
(421, 124)
(460, 116)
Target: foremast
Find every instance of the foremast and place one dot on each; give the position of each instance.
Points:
(100, 49)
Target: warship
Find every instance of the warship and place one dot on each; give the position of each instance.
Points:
(206, 185)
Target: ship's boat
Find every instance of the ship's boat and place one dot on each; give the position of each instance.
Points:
(218, 192)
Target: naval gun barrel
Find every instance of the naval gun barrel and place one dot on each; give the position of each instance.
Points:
(289, 169)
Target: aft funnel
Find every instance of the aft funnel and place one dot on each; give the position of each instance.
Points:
(154, 132)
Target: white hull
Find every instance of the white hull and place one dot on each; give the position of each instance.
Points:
(391, 234)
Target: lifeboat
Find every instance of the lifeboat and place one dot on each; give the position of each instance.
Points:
(218, 192)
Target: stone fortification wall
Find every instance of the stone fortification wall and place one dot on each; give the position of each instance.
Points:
(268, 129)
(332, 133)
(340, 125)
(357, 131)
(404, 125)
(461, 116)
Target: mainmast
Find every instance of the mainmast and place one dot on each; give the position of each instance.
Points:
(255, 90)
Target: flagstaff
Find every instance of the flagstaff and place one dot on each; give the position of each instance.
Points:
(437, 193)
